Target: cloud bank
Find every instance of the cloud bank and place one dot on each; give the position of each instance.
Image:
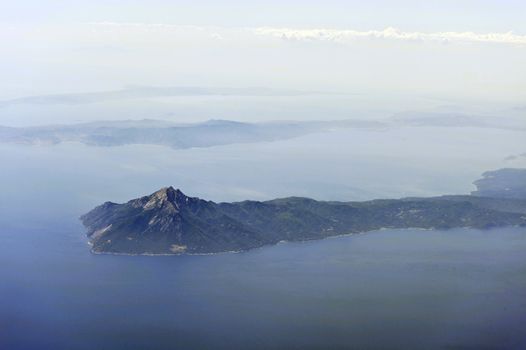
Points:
(389, 33)
(331, 35)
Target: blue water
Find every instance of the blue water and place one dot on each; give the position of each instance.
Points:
(386, 289)
(401, 289)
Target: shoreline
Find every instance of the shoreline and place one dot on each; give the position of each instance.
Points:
(285, 242)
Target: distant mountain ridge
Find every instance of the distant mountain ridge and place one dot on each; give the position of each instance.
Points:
(169, 222)
(216, 132)
(179, 136)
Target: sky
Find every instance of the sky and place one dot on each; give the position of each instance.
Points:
(469, 50)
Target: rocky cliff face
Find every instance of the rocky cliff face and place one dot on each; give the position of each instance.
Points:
(169, 222)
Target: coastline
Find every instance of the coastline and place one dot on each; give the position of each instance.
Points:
(281, 242)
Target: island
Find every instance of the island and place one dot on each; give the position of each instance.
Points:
(170, 222)
(210, 133)
(217, 132)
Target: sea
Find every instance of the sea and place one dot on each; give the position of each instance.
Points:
(387, 289)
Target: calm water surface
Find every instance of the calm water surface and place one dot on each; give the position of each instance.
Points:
(386, 289)
(404, 289)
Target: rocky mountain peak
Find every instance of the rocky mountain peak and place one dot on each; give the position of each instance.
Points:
(166, 197)
(169, 222)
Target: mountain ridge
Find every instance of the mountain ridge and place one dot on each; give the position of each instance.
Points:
(170, 222)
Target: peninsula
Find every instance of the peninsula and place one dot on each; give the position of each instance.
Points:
(170, 222)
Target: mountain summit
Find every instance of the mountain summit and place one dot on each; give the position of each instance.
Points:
(167, 197)
(169, 222)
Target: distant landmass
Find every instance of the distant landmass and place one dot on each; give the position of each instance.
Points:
(163, 133)
(138, 92)
(502, 183)
(169, 222)
(451, 119)
(223, 132)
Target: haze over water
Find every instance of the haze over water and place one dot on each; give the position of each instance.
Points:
(456, 70)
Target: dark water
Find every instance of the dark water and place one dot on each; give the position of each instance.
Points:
(408, 289)
(458, 289)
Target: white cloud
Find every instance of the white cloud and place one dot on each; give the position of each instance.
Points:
(389, 33)
(324, 34)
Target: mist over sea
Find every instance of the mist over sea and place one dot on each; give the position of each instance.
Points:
(110, 101)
